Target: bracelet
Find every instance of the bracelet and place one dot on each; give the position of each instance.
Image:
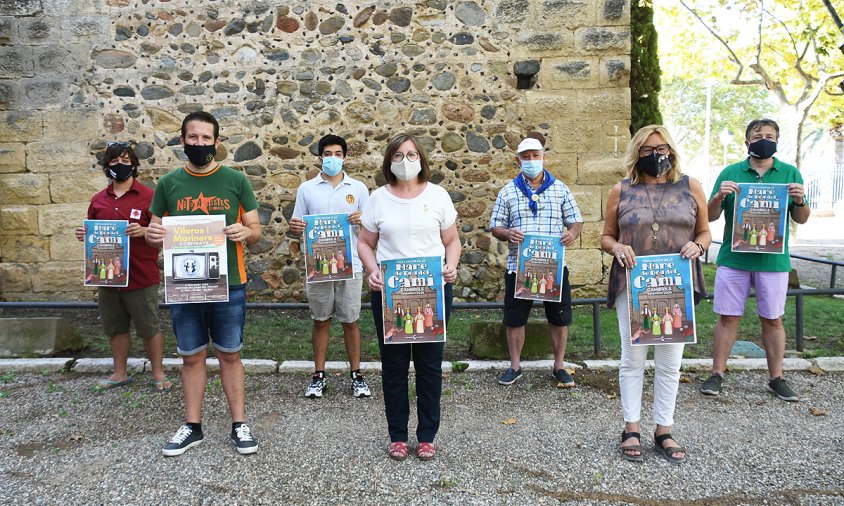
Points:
(801, 204)
(702, 249)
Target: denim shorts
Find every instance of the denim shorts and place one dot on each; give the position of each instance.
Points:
(223, 322)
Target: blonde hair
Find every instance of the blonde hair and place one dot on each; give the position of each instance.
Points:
(632, 154)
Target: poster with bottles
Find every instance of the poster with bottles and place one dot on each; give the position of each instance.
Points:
(760, 218)
(195, 259)
(106, 253)
(328, 248)
(540, 268)
(660, 291)
(413, 300)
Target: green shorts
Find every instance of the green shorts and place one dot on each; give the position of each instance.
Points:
(120, 307)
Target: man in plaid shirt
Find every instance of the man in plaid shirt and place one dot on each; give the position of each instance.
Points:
(534, 203)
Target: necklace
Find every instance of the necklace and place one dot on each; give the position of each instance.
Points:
(655, 224)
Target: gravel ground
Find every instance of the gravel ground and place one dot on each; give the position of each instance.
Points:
(61, 444)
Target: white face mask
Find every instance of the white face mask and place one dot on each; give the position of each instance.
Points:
(406, 170)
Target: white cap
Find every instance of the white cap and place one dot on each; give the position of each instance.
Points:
(529, 144)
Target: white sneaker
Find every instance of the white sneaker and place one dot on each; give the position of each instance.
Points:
(359, 387)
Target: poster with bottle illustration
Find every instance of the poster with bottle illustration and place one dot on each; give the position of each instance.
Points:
(660, 291)
(328, 248)
(413, 300)
(760, 218)
(106, 253)
(540, 268)
(195, 259)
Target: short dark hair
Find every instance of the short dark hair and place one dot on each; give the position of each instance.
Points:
(759, 123)
(393, 146)
(331, 140)
(116, 152)
(204, 117)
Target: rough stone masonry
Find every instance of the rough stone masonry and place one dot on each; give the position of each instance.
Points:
(279, 75)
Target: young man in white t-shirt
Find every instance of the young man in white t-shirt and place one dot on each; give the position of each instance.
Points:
(333, 191)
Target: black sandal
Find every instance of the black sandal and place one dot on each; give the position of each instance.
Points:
(635, 448)
(668, 452)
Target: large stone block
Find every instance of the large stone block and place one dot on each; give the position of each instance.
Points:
(63, 59)
(26, 337)
(78, 29)
(9, 94)
(542, 107)
(79, 187)
(554, 42)
(14, 277)
(568, 73)
(488, 340)
(600, 169)
(24, 248)
(24, 189)
(590, 236)
(15, 62)
(38, 30)
(585, 266)
(18, 220)
(613, 12)
(605, 103)
(21, 7)
(12, 157)
(66, 246)
(52, 156)
(56, 277)
(602, 40)
(8, 30)
(565, 13)
(562, 165)
(41, 93)
(615, 71)
(20, 126)
(86, 123)
(58, 218)
(589, 201)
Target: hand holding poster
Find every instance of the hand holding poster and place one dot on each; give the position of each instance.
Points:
(106, 253)
(413, 300)
(328, 248)
(760, 218)
(540, 269)
(195, 259)
(660, 291)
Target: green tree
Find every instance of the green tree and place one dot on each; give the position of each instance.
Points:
(644, 67)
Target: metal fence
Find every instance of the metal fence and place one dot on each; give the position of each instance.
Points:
(824, 186)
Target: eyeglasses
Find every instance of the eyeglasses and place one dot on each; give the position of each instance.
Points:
(119, 144)
(662, 149)
(411, 156)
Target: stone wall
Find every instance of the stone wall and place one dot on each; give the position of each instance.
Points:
(278, 75)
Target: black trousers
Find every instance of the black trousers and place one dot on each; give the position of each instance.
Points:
(395, 364)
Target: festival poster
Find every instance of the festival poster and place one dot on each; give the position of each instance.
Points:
(540, 269)
(106, 253)
(413, 300)
(759, 218)
(195, 259)
(328, 248)
(660, 291)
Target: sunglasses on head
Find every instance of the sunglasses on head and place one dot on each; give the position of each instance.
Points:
(119, 144)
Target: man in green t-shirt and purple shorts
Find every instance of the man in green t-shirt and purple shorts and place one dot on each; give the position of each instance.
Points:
(738, 272)
(204, 187)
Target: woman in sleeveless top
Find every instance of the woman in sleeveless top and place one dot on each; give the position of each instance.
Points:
(656, 210)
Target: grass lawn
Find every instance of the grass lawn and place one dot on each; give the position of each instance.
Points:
(285, 335)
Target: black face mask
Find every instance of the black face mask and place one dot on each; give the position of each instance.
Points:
(200, 156)
(762, 149)
(120, 171)
(654, 165)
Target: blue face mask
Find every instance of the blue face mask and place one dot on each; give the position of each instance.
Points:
(332, 165)
(532, 168)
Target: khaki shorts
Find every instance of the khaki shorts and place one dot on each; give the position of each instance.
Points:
(120, 307)
(340, 299)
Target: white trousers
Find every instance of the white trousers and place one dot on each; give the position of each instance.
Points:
(631, 373)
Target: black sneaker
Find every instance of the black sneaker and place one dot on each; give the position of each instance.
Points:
(183, 439)
(359, 387)
(509, 376)
(243, 439)
(712, 386)
(316, 387)
(563, 377)
(779, 387)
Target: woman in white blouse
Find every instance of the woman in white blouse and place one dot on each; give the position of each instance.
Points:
(409, 217)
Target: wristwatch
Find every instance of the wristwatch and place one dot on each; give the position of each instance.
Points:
(801, 204)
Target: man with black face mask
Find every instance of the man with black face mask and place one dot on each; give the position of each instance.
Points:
(205, 187)
(767, 272)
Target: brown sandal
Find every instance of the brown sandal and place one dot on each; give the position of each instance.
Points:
(636, 448)
(669, 452)
(398, 450)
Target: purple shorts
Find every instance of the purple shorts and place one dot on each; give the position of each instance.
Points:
(732, 287)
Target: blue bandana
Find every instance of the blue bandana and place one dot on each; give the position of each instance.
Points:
(522, 184)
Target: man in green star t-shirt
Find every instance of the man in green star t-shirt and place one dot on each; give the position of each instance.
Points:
(205, 187)
(738, 271)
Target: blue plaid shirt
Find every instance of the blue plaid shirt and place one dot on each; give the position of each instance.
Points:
(557, 209)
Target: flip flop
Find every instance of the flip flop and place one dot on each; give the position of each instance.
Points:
(107, 384)
(162, 386)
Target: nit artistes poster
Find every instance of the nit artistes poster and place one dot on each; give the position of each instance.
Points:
(660, 294)
(328, 248)
(195, 259)
(760, 218)
(540, 269)
(413, 300)
(106, 253)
